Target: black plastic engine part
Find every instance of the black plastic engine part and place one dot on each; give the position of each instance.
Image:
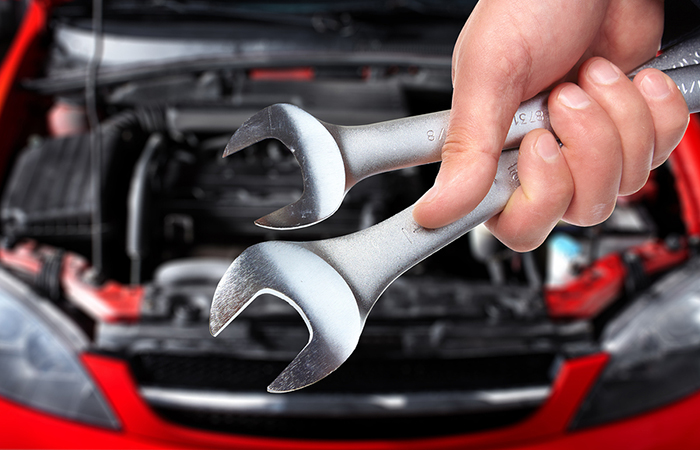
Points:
(49, 197)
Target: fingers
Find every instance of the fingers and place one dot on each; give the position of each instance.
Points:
(593, 152)
(669, 112)
(613, 132)
(623, 102)
(649, 113)
(543, 197)
(479, 120)
(578, 183)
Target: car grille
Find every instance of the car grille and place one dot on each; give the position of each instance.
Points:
(345, 428)
(367, 398)
(357, 375)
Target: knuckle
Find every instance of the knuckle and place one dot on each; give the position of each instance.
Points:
(635, 182)
(522, 240)
(529, 243)
(461, 144)
(589, 216)
(659, 160)
(679, 121)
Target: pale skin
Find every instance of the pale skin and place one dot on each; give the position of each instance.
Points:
(613, 130)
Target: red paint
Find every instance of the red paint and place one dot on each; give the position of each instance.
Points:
(685, 163)
(552, 419)
(604, 281)
(106, 302)
(23, 58)
(671, 427)
(284, 74)
(24, 257)
(657, 257)
(594, 289)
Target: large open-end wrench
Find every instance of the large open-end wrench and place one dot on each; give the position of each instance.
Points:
(334, 158)
(334, 283)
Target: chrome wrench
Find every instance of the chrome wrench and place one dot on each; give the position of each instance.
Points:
(334, 158)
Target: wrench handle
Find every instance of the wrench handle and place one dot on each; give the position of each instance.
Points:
(372, 149)
(412, 141)
(371, 259)
(396, 144)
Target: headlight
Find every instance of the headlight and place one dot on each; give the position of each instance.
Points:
(39, 364)
(654, 350)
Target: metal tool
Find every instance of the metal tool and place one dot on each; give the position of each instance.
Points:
(334, 158)
(334, 283)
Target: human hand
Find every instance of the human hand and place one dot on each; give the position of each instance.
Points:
(613, 130)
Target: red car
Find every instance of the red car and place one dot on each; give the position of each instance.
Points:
(114, 240)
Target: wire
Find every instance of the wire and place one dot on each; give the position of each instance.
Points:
(95, 135)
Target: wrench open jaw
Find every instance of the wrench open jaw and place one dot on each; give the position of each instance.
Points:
(334, 283)
(333, 158)
(315, 150)
(314, 288)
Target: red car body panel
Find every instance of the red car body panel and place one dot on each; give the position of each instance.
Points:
(674, 426)
(686, 169)
(23, 59)
(671, 427)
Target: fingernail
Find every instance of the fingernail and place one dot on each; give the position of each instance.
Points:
(547, 147)
(654, 85)
(573, 97)
(603, 72)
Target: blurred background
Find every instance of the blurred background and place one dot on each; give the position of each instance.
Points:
(118, 217)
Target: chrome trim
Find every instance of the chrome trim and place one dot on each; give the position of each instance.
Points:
(134, 50)
(346, 405)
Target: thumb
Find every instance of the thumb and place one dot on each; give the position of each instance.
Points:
(469, 162)
(483, 105)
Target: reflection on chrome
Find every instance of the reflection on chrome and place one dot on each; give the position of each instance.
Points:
(302, 404)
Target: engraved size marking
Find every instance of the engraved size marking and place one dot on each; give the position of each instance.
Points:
(689, 90)
(431, 135)
(525, 118)
(407, 234)
(684, 62)
(409, 230)
(513, 171)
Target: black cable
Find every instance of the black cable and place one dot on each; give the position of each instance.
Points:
(637, 278)
(95, 135)
(138, 205)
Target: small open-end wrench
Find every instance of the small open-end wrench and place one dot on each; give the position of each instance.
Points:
(334, 158)
(334, 283)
